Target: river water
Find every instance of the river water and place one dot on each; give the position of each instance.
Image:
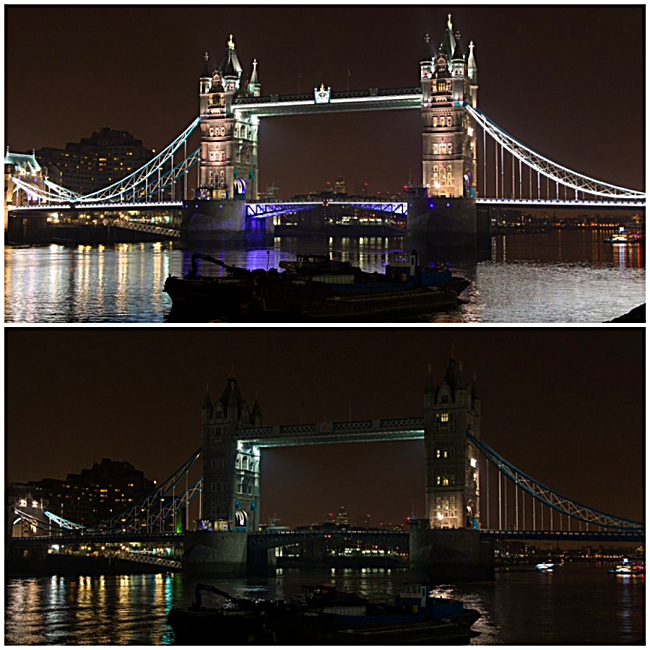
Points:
(567, 276)
(579, 604)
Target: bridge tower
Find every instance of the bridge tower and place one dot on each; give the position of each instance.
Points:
(231, 470)
(448, 139)
(228, 164)
(452, 479)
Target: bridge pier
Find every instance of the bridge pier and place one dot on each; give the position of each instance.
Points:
(450, 555)
(216, 553)
(205, 220)
(448, 222)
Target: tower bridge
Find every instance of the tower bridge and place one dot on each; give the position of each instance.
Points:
(465, 511)
(463, 175)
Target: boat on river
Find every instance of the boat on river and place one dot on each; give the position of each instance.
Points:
(315, 287)
(629, 567)
(630, 235)
(323, 615)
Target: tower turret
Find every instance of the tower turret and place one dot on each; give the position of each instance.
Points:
(449, 42)
(205, 80)
(230, 68)
(207, 407)
(448, 139)
(472, 75)
(452, 473)
(254, 85)
(230, 467)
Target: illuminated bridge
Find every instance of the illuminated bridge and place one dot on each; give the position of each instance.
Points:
(211, 507)
(468, 161)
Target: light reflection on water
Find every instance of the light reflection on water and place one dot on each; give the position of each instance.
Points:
(580, 604)
(564, 276)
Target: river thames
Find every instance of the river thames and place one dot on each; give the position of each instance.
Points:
(565, 276)
(579, 604)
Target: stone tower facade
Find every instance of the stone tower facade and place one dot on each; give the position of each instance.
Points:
(228, 165)
(452, 474)
(231, 469)
(449, 80)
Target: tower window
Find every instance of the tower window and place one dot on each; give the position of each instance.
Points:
(444, 399)
(435, 148)
(444, 417)
(435, 121)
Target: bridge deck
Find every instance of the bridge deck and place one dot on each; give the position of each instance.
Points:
(328, 432)
(340, 101)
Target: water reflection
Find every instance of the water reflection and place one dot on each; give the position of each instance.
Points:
(579, 604)
(564, 276)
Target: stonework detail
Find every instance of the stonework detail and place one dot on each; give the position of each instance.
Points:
(449, 81)
(452, 474)
(228, 165)
(231, 469)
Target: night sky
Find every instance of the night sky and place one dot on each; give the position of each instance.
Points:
(564, 405)
(567, 81)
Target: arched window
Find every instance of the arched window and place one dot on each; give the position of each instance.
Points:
(435, 148)
(211, 131)
(443, 148)
(435, 121)
(223, 130)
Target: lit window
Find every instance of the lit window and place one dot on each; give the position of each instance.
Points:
(435, 148)
(449, 148)
(438, 480)
(444, 417)
(445, 481)
(437, 453)
(435, 121)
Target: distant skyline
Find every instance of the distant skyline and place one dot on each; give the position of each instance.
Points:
(568, 81)
(566, 406)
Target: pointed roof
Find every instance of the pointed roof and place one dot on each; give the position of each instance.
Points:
(429, 385)
(206, 68)
(451, 377)
(472, 70)
(231, 392)
(254, 79)
(458, 49)
(449, 42)
(230, 66)
(257, 410)
(427, 52)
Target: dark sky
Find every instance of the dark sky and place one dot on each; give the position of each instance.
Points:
(567, 81)
(566, 406)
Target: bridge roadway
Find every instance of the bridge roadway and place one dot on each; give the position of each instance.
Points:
(338, 101)
(261, 210)
(329, 432)
(272, 539)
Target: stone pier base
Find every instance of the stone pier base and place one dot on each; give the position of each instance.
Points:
(449, 223)
(442, 555)
(219, 219)
(211, 553)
